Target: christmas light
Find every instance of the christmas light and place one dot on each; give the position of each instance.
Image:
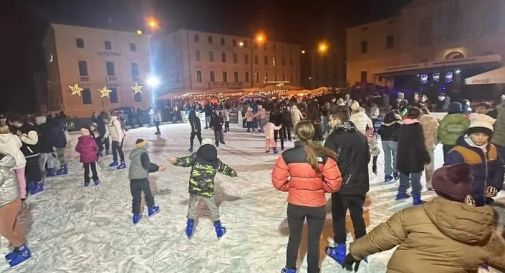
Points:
(76, 90)
(104, 92)
(137, 88)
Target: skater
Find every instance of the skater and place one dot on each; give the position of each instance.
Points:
(88, 150)
(216, 123)
(359, 118)
(373, 146)
(59, 142)
(474, 149)
(29, 138)
(307, 172)
(208, 114)
(286, 120)
(10, 207)
(93, 132)
(389, 138)
(117, 135)
(11, 144)
(261, 117)
(296, 115)
(226, 114)
(196, 129)
(445, 235)
(138, 173)
(353, 155)
(452, 126)
(277, 119)
(249, 118)
(204, 166)
(412, 156)
(45, 146)
(157, 120)
(106, 137)
(101, 128)
(430, 129)
(270, 143)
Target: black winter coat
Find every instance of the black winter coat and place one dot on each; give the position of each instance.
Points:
(45, 138)
(389, 133)
(412, 154)
(353, 156)
(58, 132)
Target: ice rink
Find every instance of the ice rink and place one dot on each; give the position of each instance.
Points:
(73, 229)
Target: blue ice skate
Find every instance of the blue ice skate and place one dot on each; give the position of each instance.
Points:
(337, 253)
(190, 228)
(402, 195)
(416, 199)
(121, 166)
(113, 164)
(136, 218)
(220, 230)
(20, 255)
(38, 187)
(153, 211)
(288, 270)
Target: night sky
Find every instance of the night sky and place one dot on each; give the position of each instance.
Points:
(305, 22)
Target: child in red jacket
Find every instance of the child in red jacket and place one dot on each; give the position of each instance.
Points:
(88, 149)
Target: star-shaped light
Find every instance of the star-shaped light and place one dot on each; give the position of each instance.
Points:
(137, 88)
(76, 90)
(104, 92)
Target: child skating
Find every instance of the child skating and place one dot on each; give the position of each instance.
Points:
(138, 173)
(204, 166)
(88, 150)
(270, 143)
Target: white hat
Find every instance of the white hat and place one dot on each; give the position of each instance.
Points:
(40, 120)
(206, 141)
(481, 123)
(355, 106)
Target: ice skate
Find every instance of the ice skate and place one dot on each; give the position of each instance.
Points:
(113, 164)
(86, 183)
(153, 211)
(20, 255)
(190, 228)
(288, 270)
(121, 166)
(220, 230)
(416, 199)
(38, 187)
(337, 253)
(402, 195)
(96, 182)
(136, 218)
(51, 172)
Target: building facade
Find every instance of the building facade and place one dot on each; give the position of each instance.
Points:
(428, 45)
(199, 61)
(327, 69)
(93, 59)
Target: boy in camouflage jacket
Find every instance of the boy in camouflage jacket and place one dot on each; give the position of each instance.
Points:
(204, 166)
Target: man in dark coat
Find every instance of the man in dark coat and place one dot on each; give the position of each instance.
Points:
(196, 128)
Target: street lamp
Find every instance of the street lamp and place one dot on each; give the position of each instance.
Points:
(303, 51)
(152, 23)
(323, 47)
(260, 38)
(241, 44)
(139, 32)
(153, 81)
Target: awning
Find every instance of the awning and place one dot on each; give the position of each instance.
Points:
(490, 77)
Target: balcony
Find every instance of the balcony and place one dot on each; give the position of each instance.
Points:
(226, 84)
(84, 79)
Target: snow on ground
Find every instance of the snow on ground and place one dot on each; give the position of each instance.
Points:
(77, 229)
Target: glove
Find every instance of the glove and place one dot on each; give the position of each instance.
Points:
(349, 262)
(491, 191)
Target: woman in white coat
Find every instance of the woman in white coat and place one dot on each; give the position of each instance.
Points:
(11, 144)
(360, 118)
(117, 136)
(296, 115)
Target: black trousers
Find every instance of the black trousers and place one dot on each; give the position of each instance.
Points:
(219, 137)
(287, 132)
(339, 206)
(198, 135)
(106, 143)
(32, 172)
(280, 135)
(93, 170)
(137, 186)
(157, 124)
(316, 216)
(226, 126)
(117, 148)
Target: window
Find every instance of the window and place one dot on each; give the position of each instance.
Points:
(273, 61)
(86, 96)
(235, 58)
(113, 95)
(234, 43)
(209, 39)
(138, 97)
(257, 76)
(211, 56)
(79, 43)
(135, 70)
(133, 47)
(110, 69)
(266, 76)
(212, 76)
(364, 76)
(390, 41)
(83, 68)
(199, 77)
(225, 76)
(364, 46)
(290, 61)
(222, 41)
(196, 38)
(256, 59)
(108, 45)
(246, 77)
(223, 57)
(283, 61)
(265, 60)
(235, 76)
(246, 59)
(197, 55)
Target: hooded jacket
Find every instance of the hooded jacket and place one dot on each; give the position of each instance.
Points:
(87, 148)
(296, 115)
(8, 181)
(194, 121)
(441, 236)
(361, 120)
(204, 167)
(140, 164)
(430, 130)
(452, 127)
(45, 143)
(11, 145)
(59, 139)
(115, 130)
(412, 153)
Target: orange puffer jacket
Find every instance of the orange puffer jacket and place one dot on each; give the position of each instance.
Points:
(293, 174)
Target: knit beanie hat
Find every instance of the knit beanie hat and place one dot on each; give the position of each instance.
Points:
(340, 101)
(481, 123)
(354, 106)
(455, 107)
(453, 182)
(140, 143)
(206, 141)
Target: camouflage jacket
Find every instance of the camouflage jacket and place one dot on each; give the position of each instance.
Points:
(201, 180)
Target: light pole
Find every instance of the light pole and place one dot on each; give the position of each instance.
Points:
(259, 39)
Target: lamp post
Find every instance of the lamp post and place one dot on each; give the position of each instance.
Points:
(259, 39)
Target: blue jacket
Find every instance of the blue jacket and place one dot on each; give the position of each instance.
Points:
(486, 169)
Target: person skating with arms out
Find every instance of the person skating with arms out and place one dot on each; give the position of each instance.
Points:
(138, 173)
(204, 166)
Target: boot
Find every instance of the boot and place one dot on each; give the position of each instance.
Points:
(402, 195)
(38, 187)
(136, 218)
(20, 255)
(190, 228)
(337, 253)
(96, 182)
(220, 230)
(288, 270)
(113, 164)
(190, 150)
(50, 172)
(30, 185)
(416, 199)
(121, 166)
(62, 171)
(396, 175)
(388, 178)
(153, 211)
(86, 183)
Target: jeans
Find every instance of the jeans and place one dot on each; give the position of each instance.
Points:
(93, 170)
(198, 135)
(209, 202)
(219, 137)
(207, 121)
(106, 144)
(60, 156)
(261, 123)
(339, 206)
(446, 149)
(137, 186)
(430, 168)
(316, 216)
(117, 148)
(49, 159)
(390, 150)
(157, 124)
(406, 179)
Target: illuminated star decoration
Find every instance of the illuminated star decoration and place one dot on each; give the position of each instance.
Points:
(76, 90)
(137, 88)
(104, 92)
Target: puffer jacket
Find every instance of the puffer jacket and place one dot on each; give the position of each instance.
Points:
(441, 236)
(430, 130)
(296, 115)
(270, 129)
(11, 145)
(8, 181)
(87, 148)
(499, 129)
(412, 153)
(30, 138)
(292, 173)
(486, 169)
(204, 167)
(452, 127)
(361, 121)
(115, 130)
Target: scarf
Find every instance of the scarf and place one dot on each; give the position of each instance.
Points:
(346, 126)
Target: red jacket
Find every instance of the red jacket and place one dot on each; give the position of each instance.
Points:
(87, 147)
(306, 188)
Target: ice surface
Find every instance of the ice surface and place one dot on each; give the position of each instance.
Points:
(76, 229)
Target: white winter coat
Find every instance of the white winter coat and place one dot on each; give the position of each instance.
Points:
(270, 129)
(115, 130)
(296, 115)
(11, 144)
(361, 120)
